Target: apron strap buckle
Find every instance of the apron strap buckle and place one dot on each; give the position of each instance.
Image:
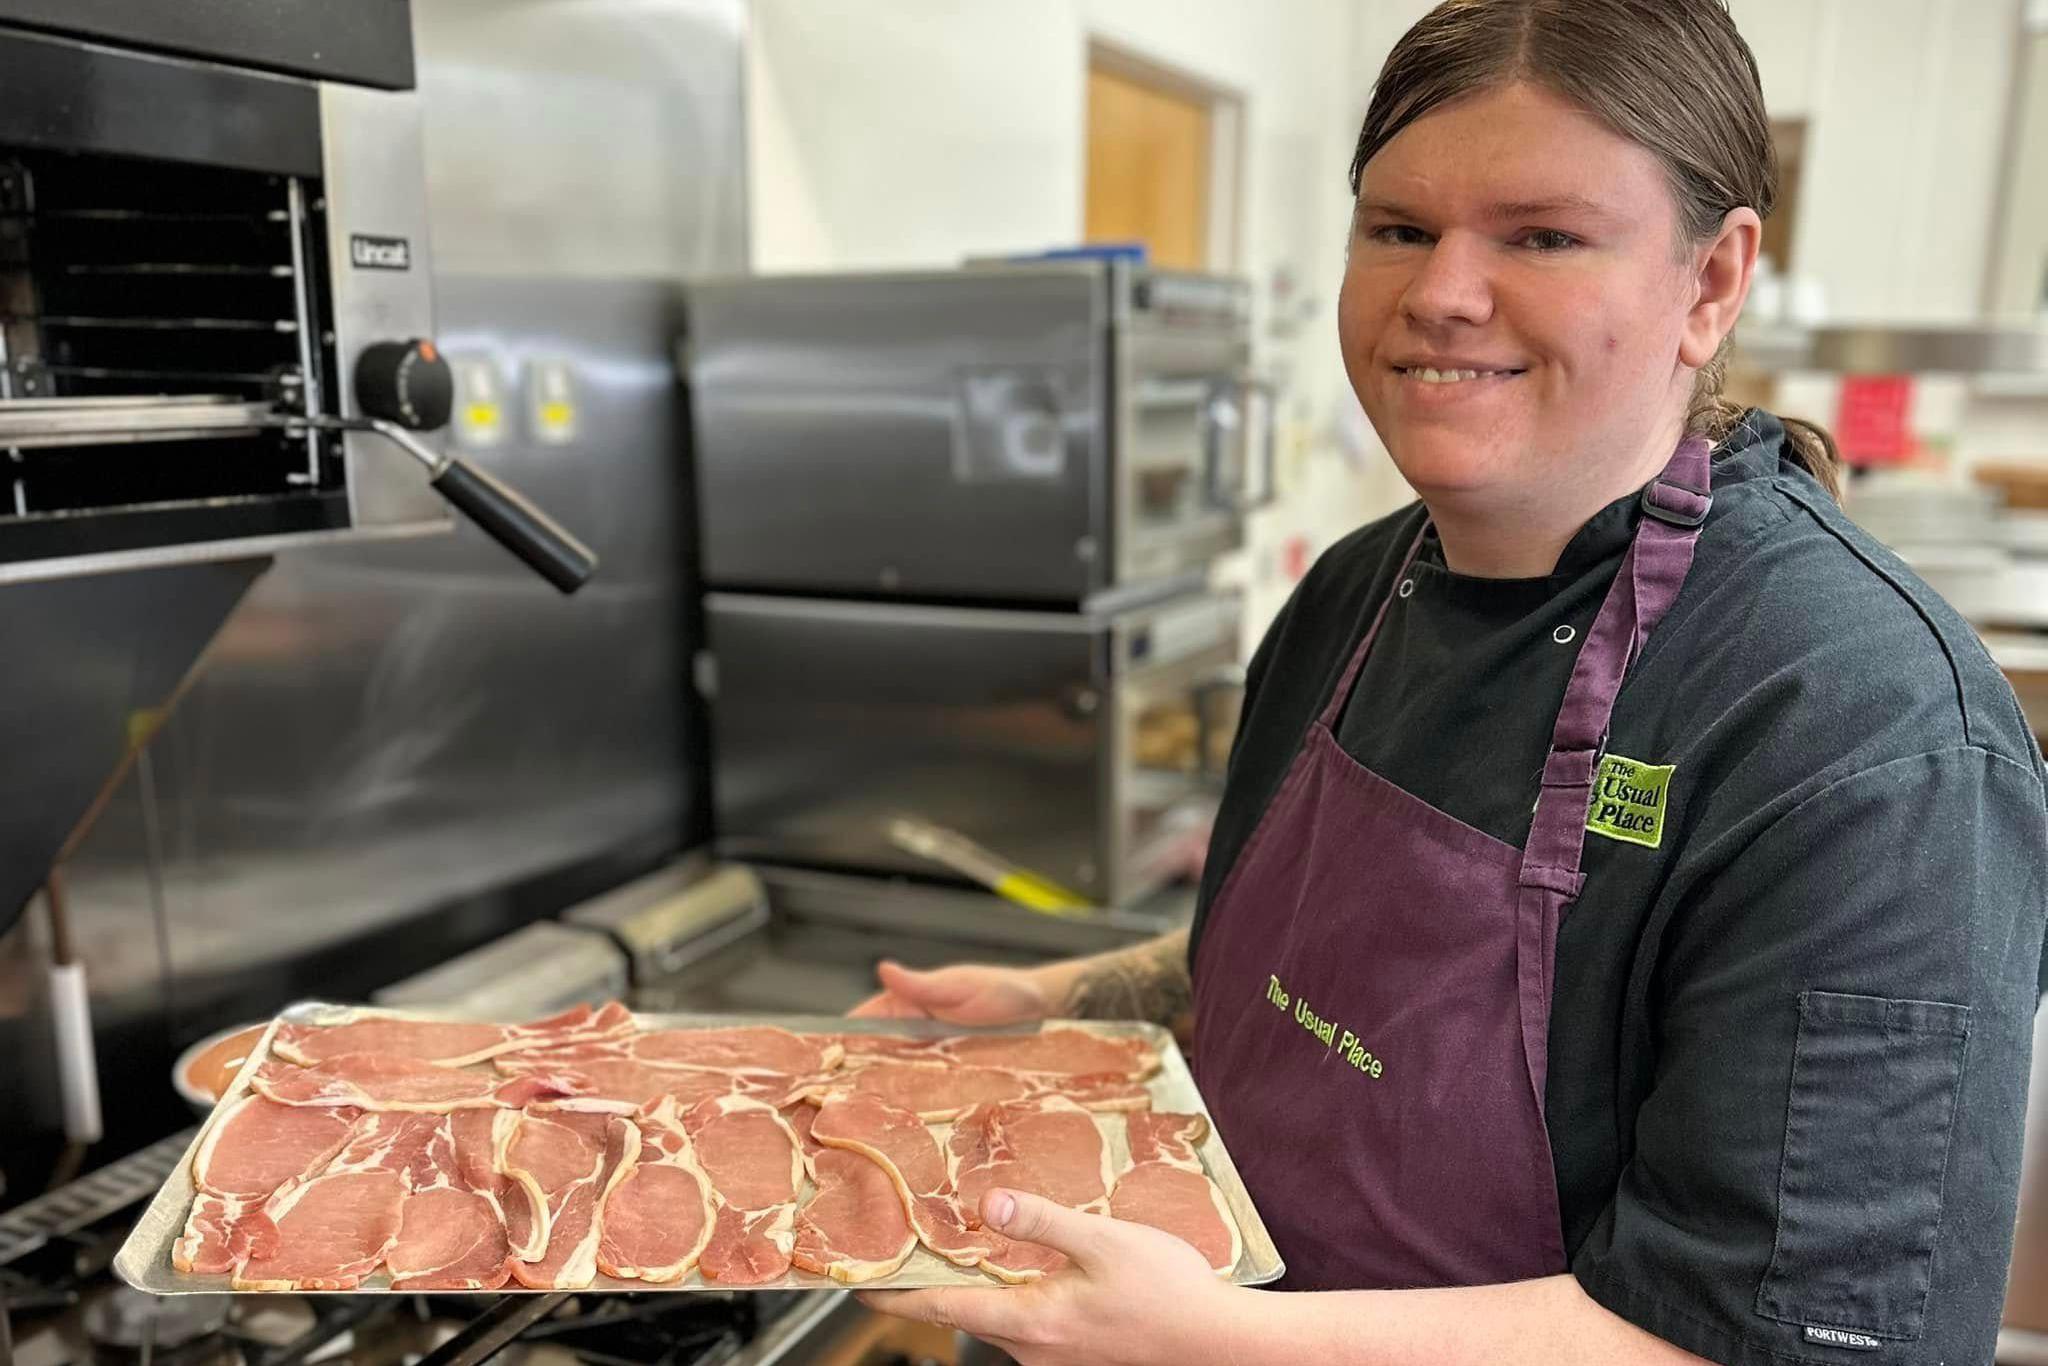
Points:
(1676, 505)
(1570, 768)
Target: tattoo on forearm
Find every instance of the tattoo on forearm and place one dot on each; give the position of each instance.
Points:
(1148, 981)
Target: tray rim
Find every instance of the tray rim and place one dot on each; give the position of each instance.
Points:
(144, 1259)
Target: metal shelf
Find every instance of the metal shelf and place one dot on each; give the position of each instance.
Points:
(1906, 350)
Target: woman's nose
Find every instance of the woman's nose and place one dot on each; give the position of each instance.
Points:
(1451, 285)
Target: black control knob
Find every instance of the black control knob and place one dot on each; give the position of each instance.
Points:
(406, 382)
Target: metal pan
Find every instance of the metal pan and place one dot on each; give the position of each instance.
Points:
(145, 1259)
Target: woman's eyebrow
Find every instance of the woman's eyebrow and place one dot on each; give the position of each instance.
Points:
(1503, 210)
(1543, 208)
(1387, 207)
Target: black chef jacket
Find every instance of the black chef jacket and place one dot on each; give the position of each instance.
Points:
(1789, 1043)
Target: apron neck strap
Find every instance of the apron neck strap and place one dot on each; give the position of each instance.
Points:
(1675, 506)
(1334, 708)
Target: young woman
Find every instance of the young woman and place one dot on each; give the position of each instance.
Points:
(1672, 859)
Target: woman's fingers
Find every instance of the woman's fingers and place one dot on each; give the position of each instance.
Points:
(1002, 1314)
(932, 991)
(910, 995)
(966, 993)
(884, 1006)
(1089, 1240)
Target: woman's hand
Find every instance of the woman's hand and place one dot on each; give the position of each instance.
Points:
(969, 994)
(1133, 1296)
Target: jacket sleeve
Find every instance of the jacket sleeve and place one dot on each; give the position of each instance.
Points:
(1826, 1164)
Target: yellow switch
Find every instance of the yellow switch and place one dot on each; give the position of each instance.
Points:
(551, 401)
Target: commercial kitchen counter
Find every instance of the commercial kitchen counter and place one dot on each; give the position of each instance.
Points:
(825, 933)
(2024, 658)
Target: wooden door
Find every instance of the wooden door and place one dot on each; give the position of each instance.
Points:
(1148, 168)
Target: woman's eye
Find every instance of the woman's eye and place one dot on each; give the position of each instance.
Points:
(1549, 239)
(1399, 235)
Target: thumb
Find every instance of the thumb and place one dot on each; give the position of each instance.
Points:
(940, 988)
(1089, 1239)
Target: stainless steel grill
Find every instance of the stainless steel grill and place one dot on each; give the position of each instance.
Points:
(176, 231)
(106, 1192)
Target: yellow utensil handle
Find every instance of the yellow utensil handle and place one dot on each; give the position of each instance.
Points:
(1038, 894)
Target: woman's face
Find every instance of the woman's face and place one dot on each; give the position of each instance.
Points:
(1514, 305)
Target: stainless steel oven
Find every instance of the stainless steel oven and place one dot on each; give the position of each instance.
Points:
(216, 323)
(1039, 433)
(1085, 747)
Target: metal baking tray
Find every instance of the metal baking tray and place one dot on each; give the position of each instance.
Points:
(145, 1259)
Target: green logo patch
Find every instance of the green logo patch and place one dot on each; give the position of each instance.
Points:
(1630, 799)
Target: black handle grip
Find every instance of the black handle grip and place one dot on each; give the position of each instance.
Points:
(517, 525)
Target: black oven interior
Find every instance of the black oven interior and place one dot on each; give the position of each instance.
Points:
(126, 278)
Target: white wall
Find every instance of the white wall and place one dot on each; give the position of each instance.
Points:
(911, 132)
(2022, 269)
(915, 132)
(1906, 104)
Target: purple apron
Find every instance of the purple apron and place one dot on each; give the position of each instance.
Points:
(1372, 991)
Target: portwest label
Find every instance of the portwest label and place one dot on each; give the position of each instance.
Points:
(1842, 1337)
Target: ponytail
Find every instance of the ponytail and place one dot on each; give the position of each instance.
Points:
(1714, 416)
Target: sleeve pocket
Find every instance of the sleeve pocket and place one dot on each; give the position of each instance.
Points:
(1873, 1098)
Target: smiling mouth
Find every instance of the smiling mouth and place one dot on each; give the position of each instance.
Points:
(1431, 375)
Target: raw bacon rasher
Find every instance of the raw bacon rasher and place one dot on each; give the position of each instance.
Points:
(1165, 1187)
(853, 1228)
(658, 1218)
(744, 1050)
(939, 1092)
(481, 1139)
(1059, 1049)
(451, 1043)
(575, 1208)
(900, 1143)
(332, 1231)
(371, 1081)
(255, 1149)
(755, 1162)
(1048, 1147)
(452, 1235)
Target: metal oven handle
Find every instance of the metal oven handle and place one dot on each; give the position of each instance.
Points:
(407, 386)
(1225, 417)
(502, 511)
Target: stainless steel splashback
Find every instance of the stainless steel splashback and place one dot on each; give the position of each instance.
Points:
(382, 729)
(385, 730)
(84, 656)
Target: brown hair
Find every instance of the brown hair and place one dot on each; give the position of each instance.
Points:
(1673, 76)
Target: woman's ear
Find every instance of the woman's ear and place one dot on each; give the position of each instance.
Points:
(1724, 272)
